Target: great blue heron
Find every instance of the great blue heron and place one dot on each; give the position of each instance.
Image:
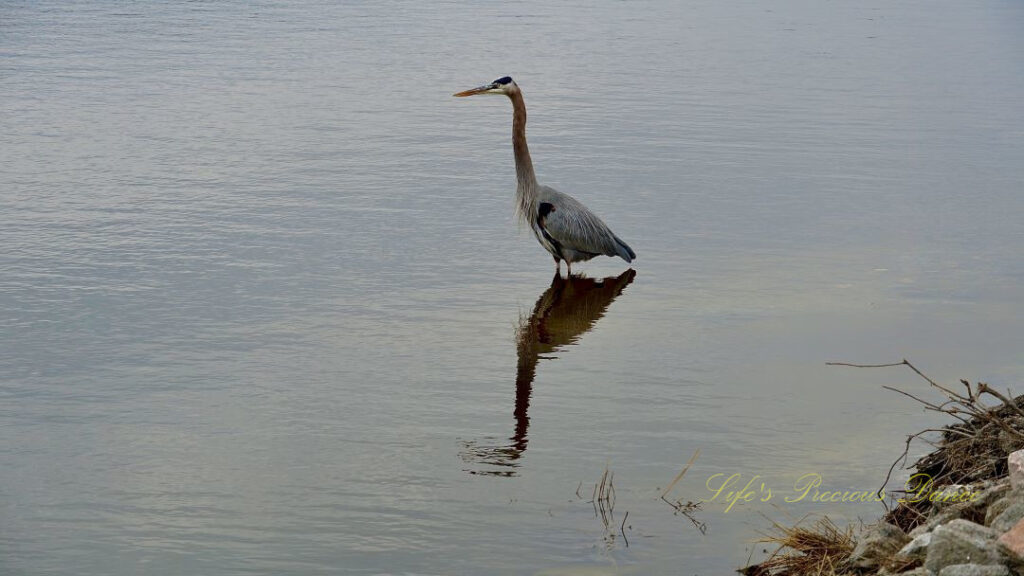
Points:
(562, 225)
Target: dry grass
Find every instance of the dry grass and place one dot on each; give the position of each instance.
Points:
(819, 549)
(688, 508)
(603, 500)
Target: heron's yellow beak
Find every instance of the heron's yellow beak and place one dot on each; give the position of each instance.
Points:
(477, 90)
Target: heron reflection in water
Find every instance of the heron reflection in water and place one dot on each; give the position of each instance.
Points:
(564, 312)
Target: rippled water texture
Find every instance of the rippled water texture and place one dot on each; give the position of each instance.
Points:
(265, 309)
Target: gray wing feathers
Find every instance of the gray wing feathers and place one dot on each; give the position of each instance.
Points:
(625, 251)
(576, 227)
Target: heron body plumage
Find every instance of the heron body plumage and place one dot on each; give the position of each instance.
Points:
(571, 232)
(566, 228)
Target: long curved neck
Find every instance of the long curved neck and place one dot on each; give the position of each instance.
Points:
(526, 180)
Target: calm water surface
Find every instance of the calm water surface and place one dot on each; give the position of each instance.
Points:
(265, 310)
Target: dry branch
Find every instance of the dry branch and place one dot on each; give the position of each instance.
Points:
(971, 450)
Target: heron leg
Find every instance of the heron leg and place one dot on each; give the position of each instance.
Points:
(558, 266)
(568, 266)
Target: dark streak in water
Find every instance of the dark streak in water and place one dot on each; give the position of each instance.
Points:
(565, 311)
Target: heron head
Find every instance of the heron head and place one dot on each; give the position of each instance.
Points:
(504, 85)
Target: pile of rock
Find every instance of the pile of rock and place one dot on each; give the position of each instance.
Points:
(980, 536)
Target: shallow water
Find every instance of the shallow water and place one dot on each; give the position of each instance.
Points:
(265, 309)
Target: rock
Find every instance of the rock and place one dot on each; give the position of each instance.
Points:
(920, 529)
(966, 500)
(1009, 442)
(989, 494)
(975, 570)
(944, 517)
(962, 542)
(1009, 517)
(1015, 461)
(919, 571)
(961, 496)
(917, 549)
(1013, 540)
(997, 508)
(876, 544)
(1009, 498)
